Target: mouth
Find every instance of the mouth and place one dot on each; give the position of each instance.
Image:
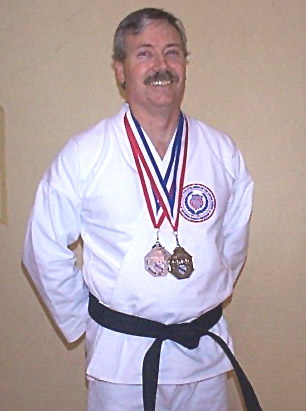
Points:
(161, 83)
(161, 79)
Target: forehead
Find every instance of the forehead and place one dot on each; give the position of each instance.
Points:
(156, 34)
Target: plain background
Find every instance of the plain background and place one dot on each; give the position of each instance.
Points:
(246, 76)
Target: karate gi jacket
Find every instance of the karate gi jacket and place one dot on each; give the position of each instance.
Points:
(92, 189)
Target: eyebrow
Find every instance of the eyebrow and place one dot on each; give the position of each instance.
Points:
(174, 45)
(167, 45)
(144, 45)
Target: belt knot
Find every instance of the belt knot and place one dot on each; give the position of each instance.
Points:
(185, 334)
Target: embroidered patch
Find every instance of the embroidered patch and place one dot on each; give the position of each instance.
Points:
(198, 203)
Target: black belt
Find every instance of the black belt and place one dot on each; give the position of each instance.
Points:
(186, 334)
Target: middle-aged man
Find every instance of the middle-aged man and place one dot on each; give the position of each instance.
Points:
(162, 203)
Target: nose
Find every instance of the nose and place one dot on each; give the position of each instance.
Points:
(160, 62)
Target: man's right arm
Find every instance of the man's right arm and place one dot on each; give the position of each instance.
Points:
(55, 223)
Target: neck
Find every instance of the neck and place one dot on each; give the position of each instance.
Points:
(159, 127)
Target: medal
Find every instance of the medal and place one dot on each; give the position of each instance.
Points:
(180, 262)
(157, 260)
(165, 194)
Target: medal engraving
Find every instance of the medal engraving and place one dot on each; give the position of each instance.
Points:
(157, 261)
(180, 263)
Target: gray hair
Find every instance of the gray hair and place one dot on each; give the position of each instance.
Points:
(135, 22)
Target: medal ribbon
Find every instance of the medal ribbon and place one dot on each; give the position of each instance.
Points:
(149, 174)
(175, 156)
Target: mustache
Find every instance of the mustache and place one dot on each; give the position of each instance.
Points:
(165, 75)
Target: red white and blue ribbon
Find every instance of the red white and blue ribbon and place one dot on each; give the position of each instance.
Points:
(162, 194)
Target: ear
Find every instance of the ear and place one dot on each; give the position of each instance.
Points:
(119, 72)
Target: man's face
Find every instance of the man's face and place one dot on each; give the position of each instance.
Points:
(154, 69)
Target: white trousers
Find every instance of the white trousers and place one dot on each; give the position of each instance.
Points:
(206, 395)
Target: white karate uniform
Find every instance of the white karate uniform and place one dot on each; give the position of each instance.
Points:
(206, 395)
(92, 189)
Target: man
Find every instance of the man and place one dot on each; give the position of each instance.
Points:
(162, 203)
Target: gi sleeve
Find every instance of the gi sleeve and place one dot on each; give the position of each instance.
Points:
(55, 223)
(237, 217)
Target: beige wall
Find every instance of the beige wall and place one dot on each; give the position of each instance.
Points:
(246, 76)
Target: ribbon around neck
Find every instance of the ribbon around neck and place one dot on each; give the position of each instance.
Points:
(163, 191)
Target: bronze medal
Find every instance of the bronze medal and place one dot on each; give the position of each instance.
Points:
(180, 263)
(157, 261)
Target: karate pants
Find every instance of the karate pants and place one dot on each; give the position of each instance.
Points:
(206, 395)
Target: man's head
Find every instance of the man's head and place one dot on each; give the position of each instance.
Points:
(135, 22)
(150, 50)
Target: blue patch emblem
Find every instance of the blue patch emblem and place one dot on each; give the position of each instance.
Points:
(198, 203)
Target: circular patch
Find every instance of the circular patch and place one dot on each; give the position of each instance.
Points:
(198, 203)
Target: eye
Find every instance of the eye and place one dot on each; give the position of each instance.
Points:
(143, 53)
(173, 52)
